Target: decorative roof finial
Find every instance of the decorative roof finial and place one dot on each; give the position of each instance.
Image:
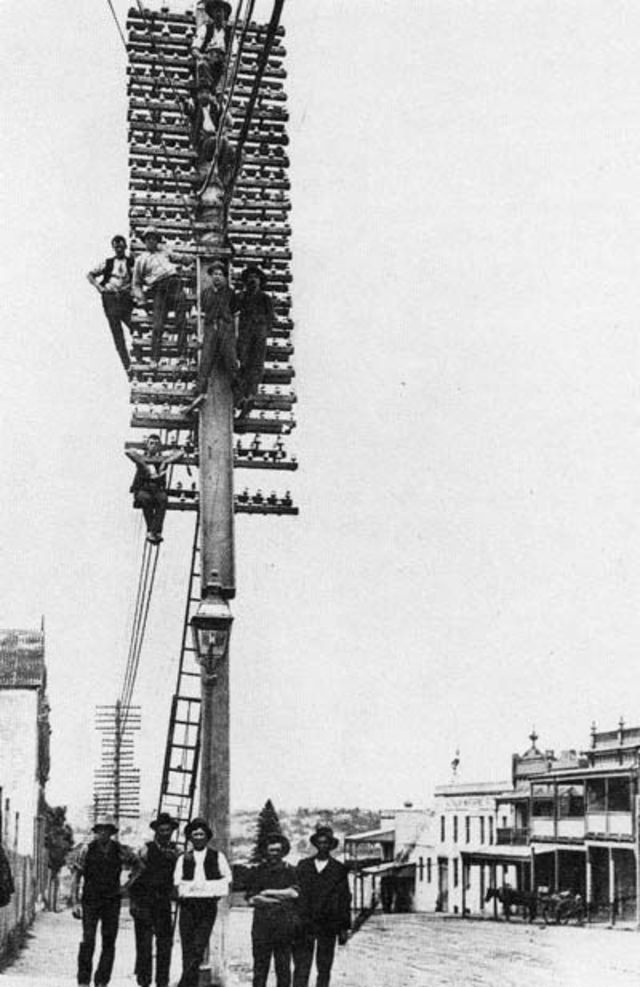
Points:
(593, 733)
(455, 764)
(533, 736)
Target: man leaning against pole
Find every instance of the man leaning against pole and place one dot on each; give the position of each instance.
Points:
(202, 876)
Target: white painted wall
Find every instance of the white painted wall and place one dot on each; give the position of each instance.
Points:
(18, 761)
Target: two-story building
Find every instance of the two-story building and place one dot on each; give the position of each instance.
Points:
(392, 863)
(583, 829)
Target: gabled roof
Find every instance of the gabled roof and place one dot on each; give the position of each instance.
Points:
(22, 659)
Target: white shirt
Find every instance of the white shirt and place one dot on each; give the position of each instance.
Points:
(208, 125)
(200, 887)
(320, 865)
(217, 42)
(120, 279)
(151, 267)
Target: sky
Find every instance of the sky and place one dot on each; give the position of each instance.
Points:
(466, 563)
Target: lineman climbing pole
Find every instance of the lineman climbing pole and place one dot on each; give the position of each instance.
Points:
(243, 219)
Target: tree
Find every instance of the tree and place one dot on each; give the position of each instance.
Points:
(58, 841)
(268, 824)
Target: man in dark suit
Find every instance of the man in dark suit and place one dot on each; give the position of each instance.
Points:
(150, 894)
(324, 907)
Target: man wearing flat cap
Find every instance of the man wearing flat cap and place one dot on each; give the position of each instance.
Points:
(211, 44)
(324, 909)
(150, 895)
(98, 867)
(218, 303)
(272, 893)
(202, 876)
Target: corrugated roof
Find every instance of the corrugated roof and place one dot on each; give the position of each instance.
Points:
(21, 659)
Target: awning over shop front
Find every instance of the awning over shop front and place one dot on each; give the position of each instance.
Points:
(390, 867)
(503, 855)
(521, 796)
(372, 836)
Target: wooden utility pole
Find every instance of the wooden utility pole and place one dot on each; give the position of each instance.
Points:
(195, 205)
(217, 556)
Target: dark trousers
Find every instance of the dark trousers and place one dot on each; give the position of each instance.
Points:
(152, 917)
(219, 350)
(166, 294)
(154, 508)
(209, 69)
(107, 912)
(252, 348)
(263, 950)
(325, 947)
(118, 306)
(197, 917)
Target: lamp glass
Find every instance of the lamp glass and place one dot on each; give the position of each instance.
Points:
(212, 641)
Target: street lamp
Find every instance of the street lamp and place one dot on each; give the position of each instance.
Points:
(211, 627)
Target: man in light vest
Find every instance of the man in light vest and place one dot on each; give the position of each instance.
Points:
(211, 44)
(201, 877)
(112, 278)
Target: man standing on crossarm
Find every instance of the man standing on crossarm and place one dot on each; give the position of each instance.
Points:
(112, 279)
(155, 274)
(98, 868)
(324, 908)
(272, 893)
(212, 43)
(202, 876)
(218, 303)
(150, 895)
(254, 324)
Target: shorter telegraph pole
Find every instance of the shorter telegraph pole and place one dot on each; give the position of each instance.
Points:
(117, 780)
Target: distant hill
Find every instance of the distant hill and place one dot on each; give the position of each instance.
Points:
(298, 825)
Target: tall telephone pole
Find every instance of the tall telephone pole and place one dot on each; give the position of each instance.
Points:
(206, 214)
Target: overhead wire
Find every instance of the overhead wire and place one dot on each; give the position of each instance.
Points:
(263, 58)
(115, 17)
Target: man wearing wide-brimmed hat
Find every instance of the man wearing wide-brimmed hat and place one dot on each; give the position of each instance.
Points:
(272, 892)
(212, 43)
(155, 274)
(254, 324)
(202, 876)
(98, 867)
(324, 909)
(150, 894)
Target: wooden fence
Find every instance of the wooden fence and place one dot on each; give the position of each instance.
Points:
(17, 916)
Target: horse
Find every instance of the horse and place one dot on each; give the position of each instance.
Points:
(510, 898)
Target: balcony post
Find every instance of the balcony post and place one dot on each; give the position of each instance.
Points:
(588, 881)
